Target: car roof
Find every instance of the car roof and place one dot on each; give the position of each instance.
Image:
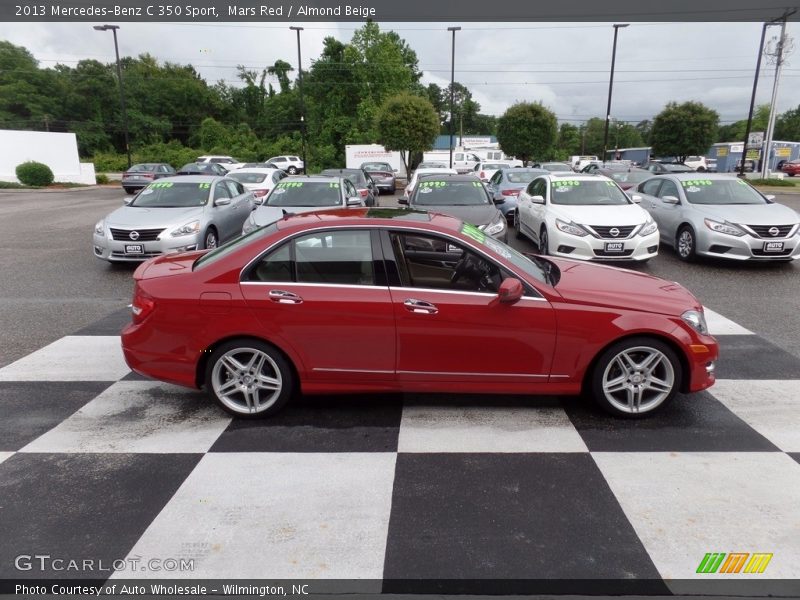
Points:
(369, 216)
(557, 175)
(312, 178)
(695, 175)
(450, 176)
(191, 179)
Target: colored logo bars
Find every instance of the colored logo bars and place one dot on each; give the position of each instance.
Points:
(736, 562)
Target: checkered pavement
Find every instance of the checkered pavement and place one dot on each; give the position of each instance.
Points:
(101, 463)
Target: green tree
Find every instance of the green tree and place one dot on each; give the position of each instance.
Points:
(787, 126)
(734, 132)
(569, 140)
(407, 123)
(683, 129)
(527, 130)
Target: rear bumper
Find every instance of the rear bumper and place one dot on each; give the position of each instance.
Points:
(170, 367)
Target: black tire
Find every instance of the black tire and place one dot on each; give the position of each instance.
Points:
(292, 170)
(621, 403)
(210, 239)
(129, 190)
(686, 244)
(544, 241)
(517, 230)
(701, 169)
(243, 384)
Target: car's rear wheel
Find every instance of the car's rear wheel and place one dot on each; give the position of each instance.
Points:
(249, 378)
(292, 170)
(128, 190)
(544, 242)
(517, 228)
(686, 244)
(210, 240)
(635, 377)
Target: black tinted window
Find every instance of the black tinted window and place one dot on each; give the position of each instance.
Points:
(276, 266)
(343, 257)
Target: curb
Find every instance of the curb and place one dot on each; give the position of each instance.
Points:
(54, 191)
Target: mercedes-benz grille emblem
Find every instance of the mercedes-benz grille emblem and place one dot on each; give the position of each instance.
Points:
(614, 231)
(773, 231)
(134, 235)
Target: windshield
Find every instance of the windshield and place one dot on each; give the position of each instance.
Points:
(630, 176)
(536, 270)
(556, 167)
(305, 193)
(720, 191)
(583, 192)
(169, 194)
(432, 192)
(523, 177)
(677, 168)
(356, 177)
(248, 177)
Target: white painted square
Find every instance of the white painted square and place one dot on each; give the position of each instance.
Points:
(72, 358)
(5, 455)
(683, 505)
(770, 406)
(487, 429)
(277, 516)
(719, 325)
(138, 416)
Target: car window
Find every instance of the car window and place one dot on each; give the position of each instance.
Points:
(277, 176)
(350, 189)
(720, 191)
(225, 249)
(275, 266)
(221, 191)
(234, 187)
(540, 188)
(574, 192)
(246, 177)
(496, 178)
(305, 193)
(668, 188)
(458, 156)
(437, 192)
(428, 261)
(334, 257)
(650, 187)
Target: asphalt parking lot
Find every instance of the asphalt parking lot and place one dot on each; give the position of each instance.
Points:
(53, 285)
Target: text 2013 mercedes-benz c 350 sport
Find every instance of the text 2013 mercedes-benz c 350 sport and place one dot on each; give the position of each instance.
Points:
(395, 300)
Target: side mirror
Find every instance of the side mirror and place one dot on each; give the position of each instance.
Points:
(770, 197)
(499, 200)
(222, 201)
(402, 201)
(510, 290)
(354, 201)
(636, 198)
(537, 199)
(671, 200)
(127, 199)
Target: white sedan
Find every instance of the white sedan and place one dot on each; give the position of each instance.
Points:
(258, 180)
(485, 170)
(426, 171)
(586, 217)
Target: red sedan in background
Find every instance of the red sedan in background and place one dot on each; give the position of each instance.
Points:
(791, 168)
(371, 300)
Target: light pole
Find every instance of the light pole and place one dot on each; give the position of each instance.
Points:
(302, 103)
(113, 29)
(452, 88)
(611, 86)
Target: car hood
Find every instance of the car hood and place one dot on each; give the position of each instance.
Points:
(481, 214)
(264, 215)
(623, 214)
(600, 285)
(749, 214)
(146, 217)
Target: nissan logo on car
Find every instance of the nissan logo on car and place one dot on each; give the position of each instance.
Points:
(134, 235)
(614, 231)
(773, 231)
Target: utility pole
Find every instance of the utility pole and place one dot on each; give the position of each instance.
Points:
(779, 50)
(302, 103)
(617, 27)
(113, 29)
(753, 98)
(452, 89)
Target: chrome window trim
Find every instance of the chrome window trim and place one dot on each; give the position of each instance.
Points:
(378, 371)
(462, 374)
(311, 284)
(461, 292)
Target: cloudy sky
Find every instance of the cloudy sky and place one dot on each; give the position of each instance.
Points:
(564, 65)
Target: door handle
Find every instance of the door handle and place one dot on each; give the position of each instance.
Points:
(283, 297)
(420, 307)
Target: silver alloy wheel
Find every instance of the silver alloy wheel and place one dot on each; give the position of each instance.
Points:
(685, 243)
(211, 240)
(543, 249)
(246, 380)
(638, 379)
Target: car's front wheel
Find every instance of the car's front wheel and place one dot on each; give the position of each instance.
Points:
(129, 190)
(685, 244)
(635, 377)
(249, 378)
(544, 247)
(210, 240)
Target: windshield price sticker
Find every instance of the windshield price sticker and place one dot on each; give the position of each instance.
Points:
(279, 190)
(692, 189)
(473, 232)
(432, 184)
(568, 183)
(477, 184)
(164, 184)
(425, 190)
(333, 184)
(290, 184)
(696, 182)
(202, 186)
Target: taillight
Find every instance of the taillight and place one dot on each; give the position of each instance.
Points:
(510, 192)
(259, 193)
(142, 305)
(364, 193)
(483, 175)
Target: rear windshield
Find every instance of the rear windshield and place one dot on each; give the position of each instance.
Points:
(523, 177)
(432, 192)
(214, 255)
(584, 192)
(357, 177)
(143, 167)
(248, 177)
(630, 177)
(376, 166)
(172, 195)
(720, 191)
(305, 193)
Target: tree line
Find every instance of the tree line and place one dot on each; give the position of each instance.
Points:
(174, 114)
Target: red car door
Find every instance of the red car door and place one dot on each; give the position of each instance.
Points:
(455, 334)
(321, 295)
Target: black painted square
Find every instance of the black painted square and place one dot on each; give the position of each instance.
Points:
(753, 357)
(109, 325)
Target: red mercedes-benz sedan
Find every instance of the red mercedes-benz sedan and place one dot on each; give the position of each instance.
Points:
(381, 299)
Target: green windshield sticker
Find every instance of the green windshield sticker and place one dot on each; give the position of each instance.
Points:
(473, 232)
(202, 186)
(611, 184)
(742, 182)
(566, 183)
(290, 184)
(694, 182)
(333, 184)
(424, 184)
(164, 184)
(477, 184)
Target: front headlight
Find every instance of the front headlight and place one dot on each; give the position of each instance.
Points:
(571, 228)
(496, 226)
(187, 229)
(649, 227)
(726, 228)
(696, 320)
(100, 227)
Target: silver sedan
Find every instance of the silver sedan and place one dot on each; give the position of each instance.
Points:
(719, 215)
(174, 214)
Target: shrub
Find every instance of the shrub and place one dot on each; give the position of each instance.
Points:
(772, 181)
(102, 178)
(108, 161)
(35, 174)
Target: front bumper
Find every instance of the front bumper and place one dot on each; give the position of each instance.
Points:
(747, 247)
(106, 248)
(592, 248)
